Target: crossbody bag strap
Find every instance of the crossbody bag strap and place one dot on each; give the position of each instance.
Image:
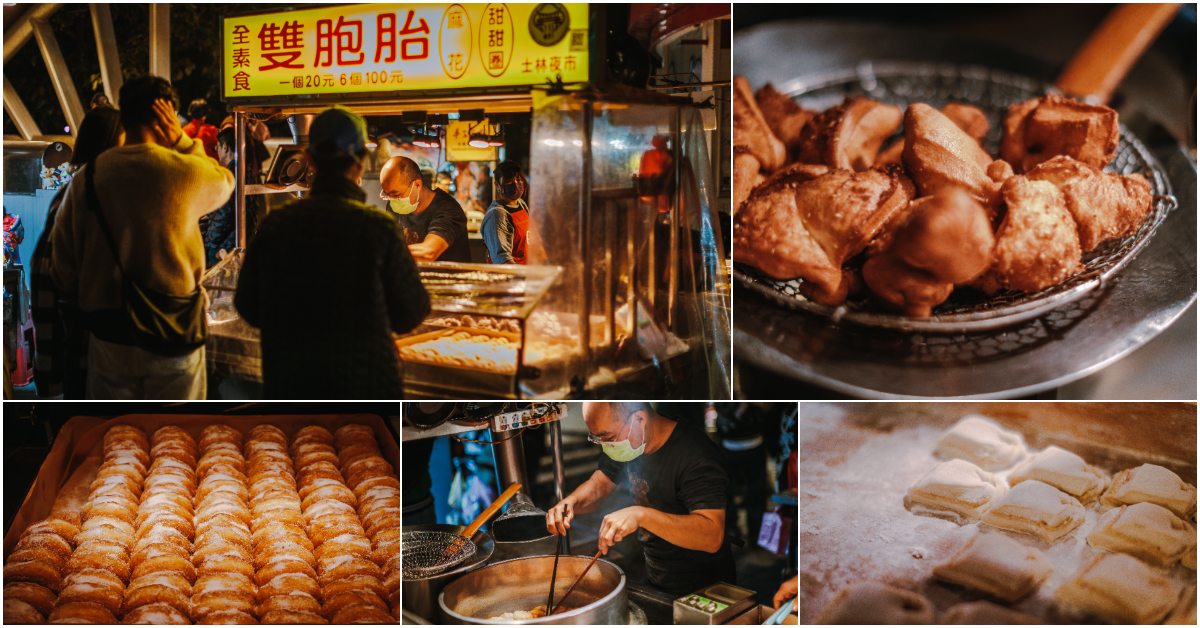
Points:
(94, 202)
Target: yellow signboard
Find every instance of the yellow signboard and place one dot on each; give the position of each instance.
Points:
(458, 134)
(394, 47)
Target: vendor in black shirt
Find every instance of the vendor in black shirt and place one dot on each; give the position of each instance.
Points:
(678, 480)
(435, 225)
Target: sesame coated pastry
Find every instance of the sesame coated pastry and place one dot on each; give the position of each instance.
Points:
(284, 567)
(372, 481)
(162, 573)
(224, 586)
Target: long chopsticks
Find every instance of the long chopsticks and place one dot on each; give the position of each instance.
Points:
(573, 584)
(553, 575)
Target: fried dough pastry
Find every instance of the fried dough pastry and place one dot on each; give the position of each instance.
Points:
(18, 612)
(1104, 206)
(970, 119)
(81, 613)
(157, 614)
(751, 130)
(944, 240)
(940, 156)
(1037, 245)
(849, 135)
(1037, 130)
(795, 226)
(785, 117)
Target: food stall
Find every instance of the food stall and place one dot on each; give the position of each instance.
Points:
(626, 286)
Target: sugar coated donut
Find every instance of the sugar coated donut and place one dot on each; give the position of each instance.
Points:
(287, 584)
(81, 613)
(97, 586)
(158, 614)
(36, 571)
(298, 603)
(35, 595)
(18, 612)
(336, 602)
(228, 618)
(152, 594)
(362, 614)
(360, 584)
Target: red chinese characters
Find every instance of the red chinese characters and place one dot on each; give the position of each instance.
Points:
(282, 47)
(346, 36)
(411, 48)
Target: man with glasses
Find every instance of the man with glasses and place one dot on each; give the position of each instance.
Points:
(435, 221)
(678, 481)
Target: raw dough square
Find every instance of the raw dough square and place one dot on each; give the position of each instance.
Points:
(1120, 589)
(876, 603)
(1064, 471)
(1154, 484)
(1036, 508)
(981, 441)
(997, 565)
(984, 613)
(1146, 531)
(956, 490)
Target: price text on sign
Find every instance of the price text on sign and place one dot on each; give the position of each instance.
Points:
(390, 47)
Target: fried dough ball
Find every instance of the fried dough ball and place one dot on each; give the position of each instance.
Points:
(361, 614)
(100, 554)
(98, 586)
(159, 533)
(267, 552)
(1037, 245)
(157, 614)
(352, 544)
(152, 499)
(152, 592)
(27, 554)
(335, 603)
(360, 584)
(33, 594)
(36, 571)
(290, 603)
(312, 434)
(81, 613)
(1042, 128)
(221, 601)
(283, 564)
(50, 542)
(219, 433)
(308, 454)
(375, 482)
(178, 565)
(54, 526)
(288, 617)
(18, 612)
(287, 584)
(381, 519)
(333, 568)
(105, 533)
(228, 618)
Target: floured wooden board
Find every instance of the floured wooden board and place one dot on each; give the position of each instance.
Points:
(857, 462)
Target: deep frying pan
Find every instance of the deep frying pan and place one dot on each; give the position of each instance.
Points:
(1079, 332)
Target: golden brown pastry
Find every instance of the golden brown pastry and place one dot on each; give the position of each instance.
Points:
(745, 176)
(1039, 129)
(970, 119)
(157, 614)
(1036, 245)
(940, 156)
(944, 240)
(35, 595)
(228, 618)
(785, 117)
(750, 129)
(18, 612)
(290, 617)
(81, 613)
(35, 571)
(1105, 206)
(808, 228)
(97, 586)
(848, 136)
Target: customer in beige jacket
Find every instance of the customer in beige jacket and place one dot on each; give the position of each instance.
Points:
(153, 190)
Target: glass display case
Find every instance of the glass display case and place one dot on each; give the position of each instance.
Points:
(233, 345)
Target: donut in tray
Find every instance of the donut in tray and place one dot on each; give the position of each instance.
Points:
(157, 614)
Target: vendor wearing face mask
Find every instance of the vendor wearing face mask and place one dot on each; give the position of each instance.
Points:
(507, 219)
(678, 480)
(434, 220)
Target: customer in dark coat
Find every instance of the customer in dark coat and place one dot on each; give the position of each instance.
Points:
(329, 278)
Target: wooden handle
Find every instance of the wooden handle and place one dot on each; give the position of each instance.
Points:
(577, 581)
(491, 510)
(1108, 55)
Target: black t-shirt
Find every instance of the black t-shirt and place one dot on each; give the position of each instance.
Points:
(446, 219)
(685, 475)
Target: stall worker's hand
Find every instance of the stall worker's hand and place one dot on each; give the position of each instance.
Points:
(166, 124)
(617, 525)
(558, 519)
(787, 591)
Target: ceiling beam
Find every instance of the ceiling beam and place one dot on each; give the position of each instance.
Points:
(68, 98)
(22, 29)
(19, 114)
(106, 47)
(160, 40)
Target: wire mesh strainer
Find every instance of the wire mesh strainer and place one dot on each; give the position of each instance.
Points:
(423, 553)
(992, 91)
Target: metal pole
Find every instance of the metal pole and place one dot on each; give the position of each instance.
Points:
(510, 461)
(160, 39)
(585, 233)
(60, 76)
(673, 221)
(22, 30)
(239, 124)
(106, 47)
(560, 479)
(19, 114)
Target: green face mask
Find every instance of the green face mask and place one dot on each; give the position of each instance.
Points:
(403, 205)
(623, 451)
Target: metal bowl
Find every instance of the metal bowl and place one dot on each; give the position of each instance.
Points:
(523, 584)
(420, 596)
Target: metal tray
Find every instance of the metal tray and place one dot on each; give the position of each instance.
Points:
(426, 378)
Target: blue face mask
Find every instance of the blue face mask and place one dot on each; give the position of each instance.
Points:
(624, 452)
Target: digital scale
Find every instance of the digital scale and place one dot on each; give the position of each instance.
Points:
(535, 414)
(715, 604)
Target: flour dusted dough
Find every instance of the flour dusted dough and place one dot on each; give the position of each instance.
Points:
(876, 603)
(981, 441)
(997, 565)
(1064, 471)
(1036, 508)
(1184, 613)
(1154, 484)
(1120, 589)
(955, 490)
(1189, 559)
(1146, 531)
(984, 613)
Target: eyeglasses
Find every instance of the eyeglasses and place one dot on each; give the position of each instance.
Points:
(383, 195)
(592, 438)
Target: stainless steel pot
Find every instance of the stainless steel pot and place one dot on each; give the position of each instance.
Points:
(420, 596)
(523, 584)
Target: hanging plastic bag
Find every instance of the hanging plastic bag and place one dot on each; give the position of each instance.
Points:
(773, 535)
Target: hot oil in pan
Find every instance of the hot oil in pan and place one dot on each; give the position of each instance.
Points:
(536, 613)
